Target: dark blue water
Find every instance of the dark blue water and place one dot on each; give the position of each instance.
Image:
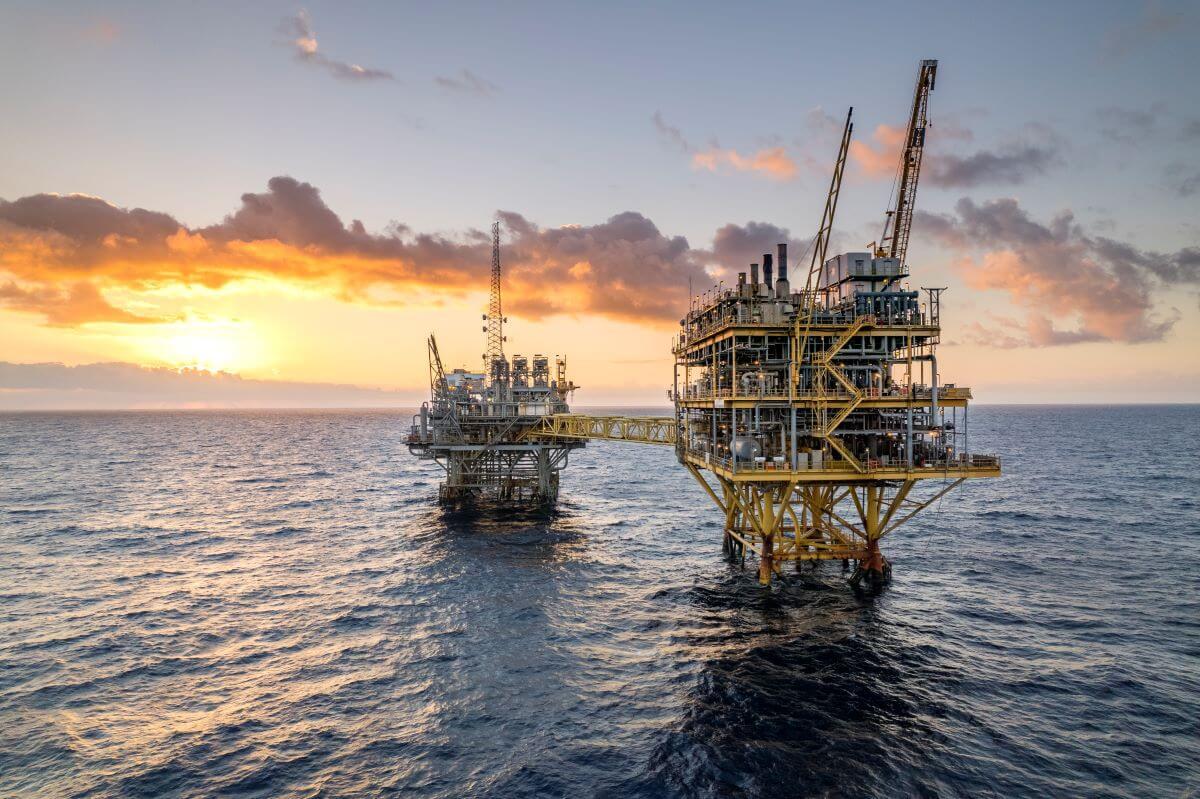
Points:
(273, 604)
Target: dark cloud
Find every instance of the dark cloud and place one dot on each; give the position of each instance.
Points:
(291, 212)
(1183, 180)
(304, 44)
(671, 134)
(1011, 164)
(1028, 154)
(1058, 270)
(467, 82)
(735, 247)
(85, 219)
(1129, 125)
(624, 268)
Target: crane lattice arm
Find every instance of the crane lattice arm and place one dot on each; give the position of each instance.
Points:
(896, 227)
(820, 245)
(437, 375)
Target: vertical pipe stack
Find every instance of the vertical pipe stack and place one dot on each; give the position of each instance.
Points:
(782, 289)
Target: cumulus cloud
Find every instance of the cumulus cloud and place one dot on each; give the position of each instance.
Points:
(1059, 271)
(304, 44)
(467, 82)
(1011, 163)
(59, 253)
(735, 247)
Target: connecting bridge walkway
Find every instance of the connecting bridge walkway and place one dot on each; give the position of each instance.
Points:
(640, 429)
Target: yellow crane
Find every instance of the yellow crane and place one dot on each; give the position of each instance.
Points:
(898, 222)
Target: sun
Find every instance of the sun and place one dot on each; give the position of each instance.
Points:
(208, 345)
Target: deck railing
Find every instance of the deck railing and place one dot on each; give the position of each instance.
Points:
(920, 393)
(959, 463)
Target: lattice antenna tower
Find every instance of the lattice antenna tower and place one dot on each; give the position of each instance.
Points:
(495, 315)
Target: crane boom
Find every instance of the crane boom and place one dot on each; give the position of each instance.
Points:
(898, 223)
(437, 375)
(820, 245)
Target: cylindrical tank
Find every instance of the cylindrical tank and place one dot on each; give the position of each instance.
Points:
(746, 448)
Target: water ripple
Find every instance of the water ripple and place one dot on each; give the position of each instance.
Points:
(273, 604)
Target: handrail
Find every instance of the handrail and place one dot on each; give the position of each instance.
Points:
(868, 393)
(979, 462)
(639, 429)
(697, 329)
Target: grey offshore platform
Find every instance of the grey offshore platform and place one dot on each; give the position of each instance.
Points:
(484, 428)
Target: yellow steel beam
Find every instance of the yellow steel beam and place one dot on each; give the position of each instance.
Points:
(897, 501)
(700, 479)
(921, 506)
(639, 429)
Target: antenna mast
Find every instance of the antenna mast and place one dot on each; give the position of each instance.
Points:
(495, 315)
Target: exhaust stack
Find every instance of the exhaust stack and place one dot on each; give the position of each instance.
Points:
(782, 288)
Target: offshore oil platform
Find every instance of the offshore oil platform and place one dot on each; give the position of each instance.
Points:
(481, 427)
(815, 413)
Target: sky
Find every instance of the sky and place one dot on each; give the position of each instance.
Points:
(300, 194)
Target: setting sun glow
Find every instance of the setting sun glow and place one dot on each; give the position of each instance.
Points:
(210, 345)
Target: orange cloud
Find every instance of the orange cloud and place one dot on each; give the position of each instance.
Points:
(1104, 288)
(61, 252)
(68, 306)
(773, 162)
(879, 159)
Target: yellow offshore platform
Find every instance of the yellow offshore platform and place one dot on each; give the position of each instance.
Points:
(810, 408)
(810, 417)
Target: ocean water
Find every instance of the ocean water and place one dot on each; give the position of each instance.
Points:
(273, 604)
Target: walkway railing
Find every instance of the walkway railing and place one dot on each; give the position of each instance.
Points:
(958, 464)
(641, 429)
(921, 393)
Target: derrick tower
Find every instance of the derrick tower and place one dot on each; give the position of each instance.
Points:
(483, 428)
(817, 413)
